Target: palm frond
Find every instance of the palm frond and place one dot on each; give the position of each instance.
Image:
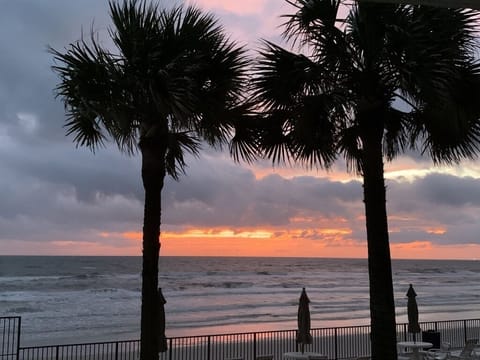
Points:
(451, 129)
(443, 80)
(274, 139)
(92, 87)
(135, 31)
(86, 130)
(177, 145)
(313, 130)
(427, 45)
(396, 139)
(218, 121)
(350, 145)
(281, 76)
(245, 144)
(312, 18)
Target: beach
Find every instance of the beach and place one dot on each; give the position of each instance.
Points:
(85, 299)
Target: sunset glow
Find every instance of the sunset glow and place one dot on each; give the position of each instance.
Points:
(297, 242)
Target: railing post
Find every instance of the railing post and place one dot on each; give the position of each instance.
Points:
(116, 350)
(254, 345)
(465, 330)
(56, 351)
(170, 351)
(208, 347)
(336, 344)
(18, 337)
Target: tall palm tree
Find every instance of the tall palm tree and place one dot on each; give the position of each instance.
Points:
(382, 80)
(171, 81)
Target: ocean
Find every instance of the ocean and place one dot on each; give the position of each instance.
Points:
(78, 299)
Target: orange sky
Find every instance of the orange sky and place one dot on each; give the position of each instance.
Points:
(256, 242)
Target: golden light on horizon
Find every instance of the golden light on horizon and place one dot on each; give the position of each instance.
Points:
(318, 242)
(212, 233)
(132, 235)
(437, 231)
(293, 241)
(429, 250)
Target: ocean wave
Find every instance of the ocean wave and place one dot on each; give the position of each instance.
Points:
(71, 295)
(22, 310)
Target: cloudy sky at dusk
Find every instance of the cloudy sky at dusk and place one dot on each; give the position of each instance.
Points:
(57, 199)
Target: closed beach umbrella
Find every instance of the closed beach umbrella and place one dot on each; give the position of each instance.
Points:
(412, 312)
(303, 333)
(162, 340)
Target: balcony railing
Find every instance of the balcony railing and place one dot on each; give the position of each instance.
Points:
(337, 343)
(9, 337)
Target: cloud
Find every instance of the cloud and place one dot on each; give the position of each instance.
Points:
(438, 207)
(224, 194)
(54, 194)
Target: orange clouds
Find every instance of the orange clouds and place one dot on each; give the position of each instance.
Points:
(326, 242)
(277, 244)
(289, 172)
(295, 242)
(428, 250)
(333, 241)
(437, 231)
(318, 242)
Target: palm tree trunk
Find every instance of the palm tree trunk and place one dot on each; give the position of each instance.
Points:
(153, 174)
(382, 305)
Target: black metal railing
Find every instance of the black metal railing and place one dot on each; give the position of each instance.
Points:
(114, 350)
(337, 343)
(10, 337)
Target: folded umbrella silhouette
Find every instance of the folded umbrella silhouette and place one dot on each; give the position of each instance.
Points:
(162, 340)
(412, 312)
(303, 333)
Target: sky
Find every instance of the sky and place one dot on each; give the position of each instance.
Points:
(56, 199)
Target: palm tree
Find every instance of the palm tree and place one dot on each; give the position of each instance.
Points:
(171, 81)
(384, 79)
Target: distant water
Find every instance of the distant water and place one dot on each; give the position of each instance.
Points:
(82, 299)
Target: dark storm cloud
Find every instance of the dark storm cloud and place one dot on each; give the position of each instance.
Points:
(435, 192)
(436, 201)
(225, 194)
(450, 190)
(105, 172)
(27, 28)
(49, 190)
